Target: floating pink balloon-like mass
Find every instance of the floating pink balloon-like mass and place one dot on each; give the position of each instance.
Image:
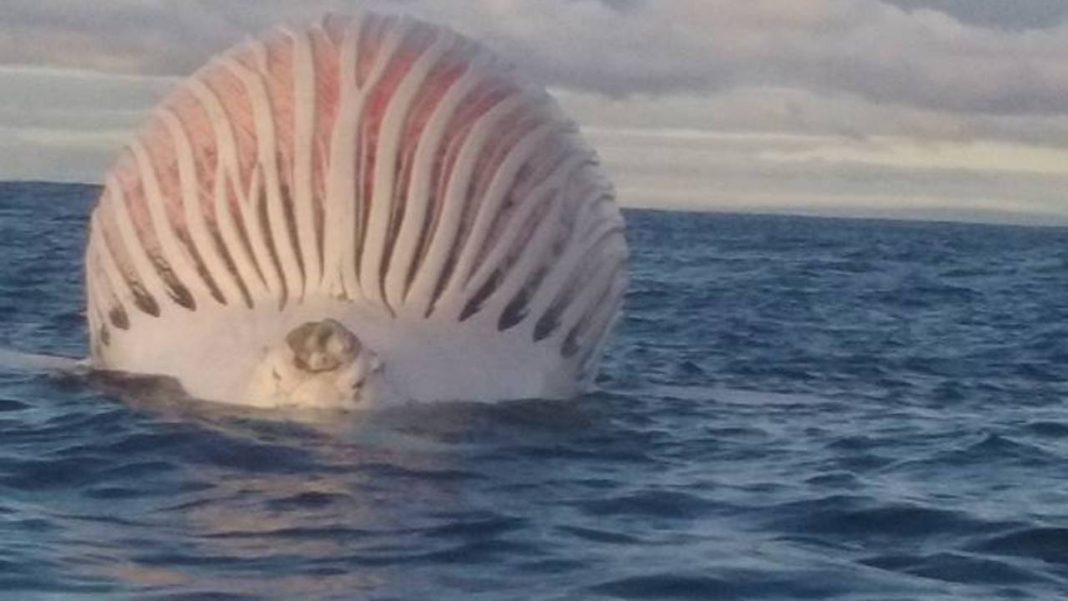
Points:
(359, 212)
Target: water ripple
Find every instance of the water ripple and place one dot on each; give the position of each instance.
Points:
(793, 409)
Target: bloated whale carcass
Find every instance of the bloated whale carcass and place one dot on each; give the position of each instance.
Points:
(360, 211)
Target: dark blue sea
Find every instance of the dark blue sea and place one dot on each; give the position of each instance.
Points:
(793, 408)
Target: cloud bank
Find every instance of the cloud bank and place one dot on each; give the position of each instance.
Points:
(849, 104)
(904, 53)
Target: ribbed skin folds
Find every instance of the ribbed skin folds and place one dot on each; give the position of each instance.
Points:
(376, 170)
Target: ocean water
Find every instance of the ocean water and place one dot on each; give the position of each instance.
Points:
(793, 408)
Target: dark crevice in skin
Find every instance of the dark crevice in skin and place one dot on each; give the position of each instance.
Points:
(516, 310)
(443, 171)
(372, 140)
(523, 184)
(448, 269)
(467, 217)
(345, 293)
(206, 190)
(424, 234)
(202, 270)
(516, 247)
(243, 237)
(231, 267)
(175, 289)
(475, 304)
(119, 319)
(580, 328)
(399, 204)
(288, 212)
(265, 224)
(476, 188)
(105, 335)
(497, 276)
(182, 235)
(549, 321)
(319, 212)
(150, 245)
(570, 346)
(362, 195)
(425, 105)
(142, 299)
(403, 171)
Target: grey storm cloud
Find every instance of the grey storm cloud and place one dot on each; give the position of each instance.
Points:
(924, 53)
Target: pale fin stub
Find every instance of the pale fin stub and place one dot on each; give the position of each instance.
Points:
(385, 184)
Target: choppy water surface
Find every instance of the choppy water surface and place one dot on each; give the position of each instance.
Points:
(793, 409)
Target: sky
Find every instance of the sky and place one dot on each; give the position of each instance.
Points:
(915, 109)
